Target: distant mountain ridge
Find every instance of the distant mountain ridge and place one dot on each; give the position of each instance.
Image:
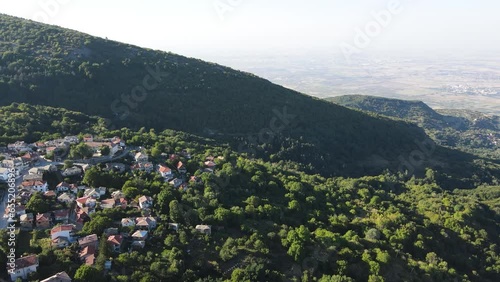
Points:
(462, 129)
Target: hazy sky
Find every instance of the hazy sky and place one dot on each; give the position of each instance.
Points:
(192, 27)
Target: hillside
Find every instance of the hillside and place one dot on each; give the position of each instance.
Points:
(34, 123)
(268, 221)
(413, 110)
(461, 129)
(48, 65)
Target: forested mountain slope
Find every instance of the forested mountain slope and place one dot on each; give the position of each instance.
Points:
(136, 87)
(466, 130)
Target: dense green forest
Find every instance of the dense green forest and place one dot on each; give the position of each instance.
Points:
(34, 123)
(466, 130)
(303, 189)
(272, 222)
(136, 87)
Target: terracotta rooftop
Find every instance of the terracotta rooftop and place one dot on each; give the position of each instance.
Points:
(59, 228)
(26, 261)
(115, 239)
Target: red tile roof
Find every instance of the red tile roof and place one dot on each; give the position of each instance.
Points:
(50, 193)
(164, 169)
(28, 183)
(66, 227)
(115, 239)
(43, 217)
(108, 202)
(210, 164)
(26, 261)
(82, 200)
(61, 213)
(144, 199)
(91, 239)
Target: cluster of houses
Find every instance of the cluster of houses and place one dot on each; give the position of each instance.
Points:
(65, 223)
(29, 264)
(142, 163)
(115, 145)
(58, 147)
(17, 163)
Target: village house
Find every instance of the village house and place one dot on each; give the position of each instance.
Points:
(108, 203)
(36, 171)
(65, 230)
(80, 202)
(115, 241)
(16, 163)
(145, 223)
(19, 146)
(26, 221)
(128, 222)
(33, 177)
(88, 138)
(24, 266)
(195, 179)
(63, 187)
(30, 158)
(210, 164)
(118, 141)
(140, 235)
(181, 168)
(60, 242)
(118, 167)
(62, 235)
(61, 216)
(95, 192)
(145, 202)
(72, 139)
(122, 203)
(50, 194)
(72, 171)
(110, 231)
(137, 245)
(117, 194)
(43, 220)
(174, 226)
(40, 145)
(176, 182)
(24, 196)
(88, 255)
(58, 277)
(81, 217)
(92, 193)
(141, 157)
(38, 186)
(66, 198)
(144, 166)
(165, 172)
(90, 240)
(204, 229)
(4, 174)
